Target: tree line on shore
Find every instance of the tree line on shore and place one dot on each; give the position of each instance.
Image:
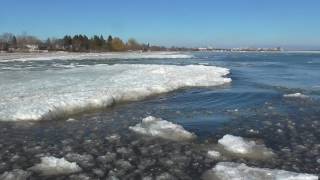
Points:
(97, 43)
(77, 43)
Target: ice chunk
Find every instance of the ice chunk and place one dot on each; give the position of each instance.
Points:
(52, 94)
(235, 171)
(239, 145)
(71, 120)
(16, 174)
(158, 127)
(108, 158)
(123, 164)
(98, 172)
(54, 166)
(214, 154)
(85, 160)
(113, 138)
(295, 95)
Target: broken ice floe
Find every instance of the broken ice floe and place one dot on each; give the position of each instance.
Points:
(214, 154)
(244, 147)
(54, 166)
(236, 171)
(296, 95)
(158, 127)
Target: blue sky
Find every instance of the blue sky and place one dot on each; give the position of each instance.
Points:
(219, 23)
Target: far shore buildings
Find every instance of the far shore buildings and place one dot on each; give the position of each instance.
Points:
(32, 47)
(240, 49)
(24, 48)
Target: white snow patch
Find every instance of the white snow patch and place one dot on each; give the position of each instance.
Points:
(52, 94)
(158, 127)
(235, 171)
(295, 95)
(54, 166)
(239, 145)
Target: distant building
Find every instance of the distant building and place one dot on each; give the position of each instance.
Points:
(202, 49)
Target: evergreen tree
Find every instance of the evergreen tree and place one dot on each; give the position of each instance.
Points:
(76, 42)
(85, 43)
(96, 43)
(67, 42)
(14, 43)
(109, 43)
(102, 42)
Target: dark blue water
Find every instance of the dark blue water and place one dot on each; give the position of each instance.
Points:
(259, 83)
(252, 106)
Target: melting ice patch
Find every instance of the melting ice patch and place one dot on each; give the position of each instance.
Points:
(50, 166)
(295, 95)
(51, 94)
(235, 171)
(158, 127)
(241, 146)
(85, 56)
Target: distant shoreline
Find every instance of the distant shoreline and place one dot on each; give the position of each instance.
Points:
(64, 55)
(146, 52)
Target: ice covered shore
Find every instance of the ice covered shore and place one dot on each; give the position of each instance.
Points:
(6, 57)
(51, 94)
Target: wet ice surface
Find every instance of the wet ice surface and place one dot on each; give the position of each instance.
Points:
(252, 108)
(103, 149)
(103, 146)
